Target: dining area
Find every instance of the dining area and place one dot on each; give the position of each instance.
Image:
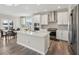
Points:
(7, 34)
(7, 31)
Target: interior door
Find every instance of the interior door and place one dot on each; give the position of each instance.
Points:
(74, 30)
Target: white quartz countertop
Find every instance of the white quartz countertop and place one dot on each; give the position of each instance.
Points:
(35, 33)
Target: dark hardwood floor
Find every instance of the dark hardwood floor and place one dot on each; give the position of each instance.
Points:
(59, 48)
(10, 47)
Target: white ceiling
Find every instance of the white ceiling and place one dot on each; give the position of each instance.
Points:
(28, 9)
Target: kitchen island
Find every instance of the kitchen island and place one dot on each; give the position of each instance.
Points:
(37, 41)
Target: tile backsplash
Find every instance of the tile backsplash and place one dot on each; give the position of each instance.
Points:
(55, 25)
(50, 25)
(63, 27)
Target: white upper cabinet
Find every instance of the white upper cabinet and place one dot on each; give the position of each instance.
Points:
(59, 18)
(44, 19)
(36, 18)
(62, 18)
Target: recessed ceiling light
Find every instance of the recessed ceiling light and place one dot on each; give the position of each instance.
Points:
(8, 4)
(15, 4)
(11, 5)
(38, 4)
(59, 7)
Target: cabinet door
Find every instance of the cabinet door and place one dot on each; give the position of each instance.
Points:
(62, 18)
(59, 18)
(62, 35)
(51, 17)
(44, 19)
(65, 18)
(36, 19)
(58, 34)
(65, 35)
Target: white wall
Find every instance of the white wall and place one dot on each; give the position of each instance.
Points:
(14, 18)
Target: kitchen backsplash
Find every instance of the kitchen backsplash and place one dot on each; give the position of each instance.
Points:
(54, 25)
(62, 27)
(50, 25)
